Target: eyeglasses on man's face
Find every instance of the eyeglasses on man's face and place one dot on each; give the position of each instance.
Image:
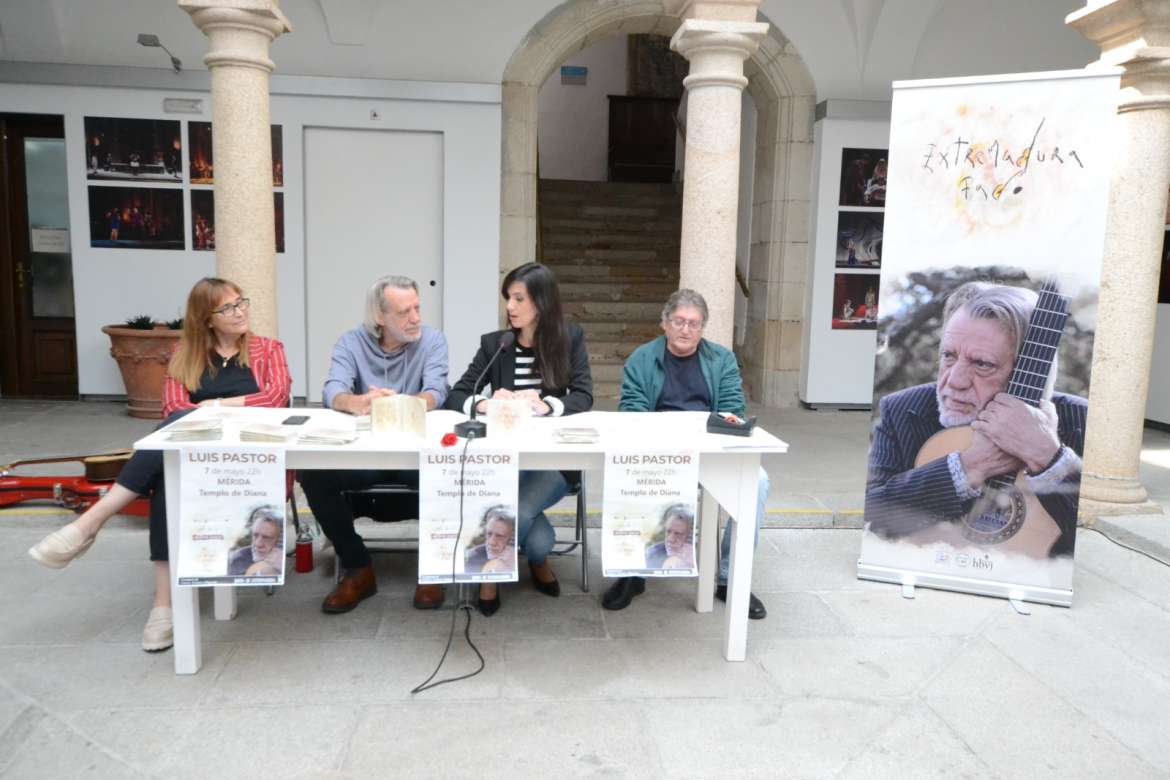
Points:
(681, 323)
(230, 309)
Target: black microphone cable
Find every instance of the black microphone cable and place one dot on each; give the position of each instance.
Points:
(461, 605)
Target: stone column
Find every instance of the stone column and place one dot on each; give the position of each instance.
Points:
(1133, 34)
(716, 49)
(239, 33)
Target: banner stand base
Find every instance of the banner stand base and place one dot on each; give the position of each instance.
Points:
(1003, 590)
(907, 590)
(1020, 607)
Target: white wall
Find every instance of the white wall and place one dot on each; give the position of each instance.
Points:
(836, 366)
(112, 284)
(573, 128)
(1158, 402)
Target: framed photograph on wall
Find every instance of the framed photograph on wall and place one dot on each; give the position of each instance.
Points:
(203, 164)
(859, 239)
(133, 149)
(863, 177)
(136, 218)
(203, 220)
(855, 298)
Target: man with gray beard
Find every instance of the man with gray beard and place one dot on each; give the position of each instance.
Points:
(983, 330)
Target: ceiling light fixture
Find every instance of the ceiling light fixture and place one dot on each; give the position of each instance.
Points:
(146, 39)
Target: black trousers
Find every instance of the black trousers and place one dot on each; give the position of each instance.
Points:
(325, 491)
(143, 474)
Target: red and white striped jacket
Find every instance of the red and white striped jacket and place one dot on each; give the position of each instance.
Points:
(269, 366)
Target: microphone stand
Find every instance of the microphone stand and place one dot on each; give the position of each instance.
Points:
(473, 428)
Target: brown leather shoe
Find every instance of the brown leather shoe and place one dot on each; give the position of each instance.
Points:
(429, 596)
(355, 585)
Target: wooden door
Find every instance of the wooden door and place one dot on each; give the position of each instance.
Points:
(641, 138)
(38, 343)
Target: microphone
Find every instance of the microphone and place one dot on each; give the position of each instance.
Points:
(473, 428)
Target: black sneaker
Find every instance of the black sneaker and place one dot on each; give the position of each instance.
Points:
(622, 592)
(756, 608)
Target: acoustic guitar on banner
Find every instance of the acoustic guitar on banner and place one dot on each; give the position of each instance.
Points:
(1008, 514)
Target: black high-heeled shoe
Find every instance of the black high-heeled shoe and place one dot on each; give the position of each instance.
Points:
(488, 607)
(547, 588)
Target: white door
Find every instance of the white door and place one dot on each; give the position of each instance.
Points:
(373, 206)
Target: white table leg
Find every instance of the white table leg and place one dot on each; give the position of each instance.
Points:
(739, 581)
(708, 552)
(184, 601)
(226, 605)
(732, 480)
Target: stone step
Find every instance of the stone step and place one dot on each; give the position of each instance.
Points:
(638, 332)
(589, 239)
(637, 226)
(606, 371)
(556, 211)
(615, 187)
(591, 311)
(625, 291)
(609, 351)
(582, 272)
(571, 256)
(607, 389)
(577, 200)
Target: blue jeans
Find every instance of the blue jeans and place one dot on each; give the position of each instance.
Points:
(762, 486)
(538, 491)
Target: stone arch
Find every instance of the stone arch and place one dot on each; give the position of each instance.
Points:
(782, 88)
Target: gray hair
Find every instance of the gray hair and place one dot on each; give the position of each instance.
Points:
(681, 511)
(267, 513)
(376, 300)
(1011, 307)
(684, 297)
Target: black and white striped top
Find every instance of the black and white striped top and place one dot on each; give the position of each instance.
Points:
(527, 374)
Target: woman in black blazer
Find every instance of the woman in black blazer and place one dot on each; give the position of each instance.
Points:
(549, 366)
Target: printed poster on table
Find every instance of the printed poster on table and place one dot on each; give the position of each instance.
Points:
(993, 240)
(648, 515)
(231, 517)
(481, 486)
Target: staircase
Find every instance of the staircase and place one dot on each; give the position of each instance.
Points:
(614, 249)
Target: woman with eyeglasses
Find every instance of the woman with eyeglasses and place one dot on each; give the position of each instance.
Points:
(549, 367)
(219, 362)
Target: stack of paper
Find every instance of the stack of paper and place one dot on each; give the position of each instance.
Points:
(575, 435)
(328, 436)
(267, 432)
(196, 430)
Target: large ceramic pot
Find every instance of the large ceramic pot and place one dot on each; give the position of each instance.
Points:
(143, 356)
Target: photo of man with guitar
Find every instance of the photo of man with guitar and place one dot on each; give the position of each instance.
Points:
(987, 455)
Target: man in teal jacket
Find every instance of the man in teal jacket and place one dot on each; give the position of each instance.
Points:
(681, 371)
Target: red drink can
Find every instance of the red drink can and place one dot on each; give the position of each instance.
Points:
(304, 555)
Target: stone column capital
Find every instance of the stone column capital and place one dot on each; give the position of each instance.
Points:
(717, 50)
(1135, 35)
(240, 31)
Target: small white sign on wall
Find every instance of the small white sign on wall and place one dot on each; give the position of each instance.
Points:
(49, 240)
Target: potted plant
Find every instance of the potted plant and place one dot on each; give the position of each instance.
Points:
(143, 348)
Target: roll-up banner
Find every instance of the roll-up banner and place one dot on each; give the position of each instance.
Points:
(994, 232)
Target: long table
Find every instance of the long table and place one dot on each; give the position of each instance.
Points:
(728, 467)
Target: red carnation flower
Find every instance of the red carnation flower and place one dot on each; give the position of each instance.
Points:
(449, 440)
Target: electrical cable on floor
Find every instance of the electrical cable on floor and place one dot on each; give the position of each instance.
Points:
(1120, 543)
(460, 604)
